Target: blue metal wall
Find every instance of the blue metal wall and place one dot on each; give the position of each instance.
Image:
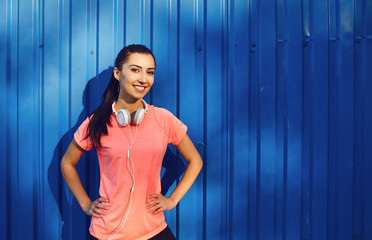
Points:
(276, 94)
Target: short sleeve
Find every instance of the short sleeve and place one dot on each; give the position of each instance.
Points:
(176, 129)
(80, 136)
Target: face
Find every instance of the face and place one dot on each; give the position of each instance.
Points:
(136, 76)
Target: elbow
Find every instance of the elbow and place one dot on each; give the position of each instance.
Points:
(65, 165)
(196, 164)
(199, 163)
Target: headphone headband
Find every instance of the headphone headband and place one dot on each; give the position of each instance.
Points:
(113, 108)
(144, 102)
(123, 117)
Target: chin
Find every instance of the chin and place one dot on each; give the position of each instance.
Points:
(139, 96)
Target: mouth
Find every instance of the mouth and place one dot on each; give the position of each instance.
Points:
(140, 88)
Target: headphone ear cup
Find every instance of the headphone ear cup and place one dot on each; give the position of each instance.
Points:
(139, 116)
(123, 117)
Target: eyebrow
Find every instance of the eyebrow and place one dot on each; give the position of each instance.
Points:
(134, 65)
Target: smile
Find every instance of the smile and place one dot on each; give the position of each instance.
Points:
(139, 88)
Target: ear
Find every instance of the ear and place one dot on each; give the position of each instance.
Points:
(116, 73)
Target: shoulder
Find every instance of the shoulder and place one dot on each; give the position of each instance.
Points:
(85, 123)
(162, 112)
(174, 129)
(81, 136)
(162, 115)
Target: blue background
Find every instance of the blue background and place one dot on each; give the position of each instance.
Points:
(276, 95)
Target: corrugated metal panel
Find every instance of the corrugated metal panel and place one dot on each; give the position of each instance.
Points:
(276, 95)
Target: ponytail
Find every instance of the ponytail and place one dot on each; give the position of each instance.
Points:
(100, 117)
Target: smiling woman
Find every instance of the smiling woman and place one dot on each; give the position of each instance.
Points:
(131, 138)
(135, 79)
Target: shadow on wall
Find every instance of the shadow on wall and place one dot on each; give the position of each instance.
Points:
(75, 223)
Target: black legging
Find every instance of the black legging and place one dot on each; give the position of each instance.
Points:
(166, 234)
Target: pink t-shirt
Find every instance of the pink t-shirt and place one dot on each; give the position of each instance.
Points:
(158, 128)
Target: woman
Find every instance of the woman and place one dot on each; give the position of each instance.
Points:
(131, 138)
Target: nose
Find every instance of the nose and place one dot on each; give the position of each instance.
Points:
(143, 78)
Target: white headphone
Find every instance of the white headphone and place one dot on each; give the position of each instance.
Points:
(124, 119)
(123, 116)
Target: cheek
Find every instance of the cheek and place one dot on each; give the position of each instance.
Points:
(125, 80)
(151, 82)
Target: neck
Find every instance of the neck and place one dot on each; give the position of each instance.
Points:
(131, 106)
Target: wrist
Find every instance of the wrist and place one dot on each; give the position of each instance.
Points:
(174, 201)
(85, 205)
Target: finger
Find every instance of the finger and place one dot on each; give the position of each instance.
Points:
(98, 211)
(93, 213)
(152, 202)
(101, 206)
(154, 195)
(159, 210)
(96, 215)
(101, 199)
(153, 208)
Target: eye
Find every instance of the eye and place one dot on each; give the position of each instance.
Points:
(151, 73)
(134, 70)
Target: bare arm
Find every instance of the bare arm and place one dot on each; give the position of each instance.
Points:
(194, 165)
(68, 168)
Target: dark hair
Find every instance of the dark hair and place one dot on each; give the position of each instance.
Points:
(101, 116)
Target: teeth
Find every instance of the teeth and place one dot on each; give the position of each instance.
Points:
(139, 88)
